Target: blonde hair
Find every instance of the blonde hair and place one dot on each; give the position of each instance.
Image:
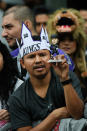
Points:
(78, 35)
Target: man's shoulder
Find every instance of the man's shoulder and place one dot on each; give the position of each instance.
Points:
(21, 89)
(19, 95)
(19, 82)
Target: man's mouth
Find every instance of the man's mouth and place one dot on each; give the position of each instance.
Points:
(8, 39)
(39, 68)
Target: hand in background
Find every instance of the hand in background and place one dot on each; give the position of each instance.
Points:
(4, 115)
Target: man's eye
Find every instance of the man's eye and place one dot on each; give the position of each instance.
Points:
(42, 54)
(45, 23)
(8, 26)
(31, 56)
(37, 24)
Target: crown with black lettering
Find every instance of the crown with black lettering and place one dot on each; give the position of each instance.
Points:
(28, 45)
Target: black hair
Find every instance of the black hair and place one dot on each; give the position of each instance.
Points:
(8, 74)
(39, 10)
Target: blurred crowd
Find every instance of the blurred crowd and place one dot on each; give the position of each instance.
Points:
(38, 92)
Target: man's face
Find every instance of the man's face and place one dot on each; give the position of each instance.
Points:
(36, 63)
(40, 20)
(11, 30)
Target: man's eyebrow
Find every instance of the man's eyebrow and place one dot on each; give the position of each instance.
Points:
(7, 25)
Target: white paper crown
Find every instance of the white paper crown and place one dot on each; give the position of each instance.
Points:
(28, 45)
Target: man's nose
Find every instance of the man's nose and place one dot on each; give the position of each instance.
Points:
(38, 59)
(4, 33)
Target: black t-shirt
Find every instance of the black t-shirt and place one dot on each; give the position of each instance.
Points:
(28, 109)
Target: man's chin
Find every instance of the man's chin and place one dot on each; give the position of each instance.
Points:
(41, 76)
(13, 47)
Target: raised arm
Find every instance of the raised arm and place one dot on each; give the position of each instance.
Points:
(74, 104)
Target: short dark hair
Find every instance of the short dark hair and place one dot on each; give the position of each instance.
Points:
(21, 13)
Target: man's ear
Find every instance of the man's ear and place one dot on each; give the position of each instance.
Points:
(28, 23)
(22, 63)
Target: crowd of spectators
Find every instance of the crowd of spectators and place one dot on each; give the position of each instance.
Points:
(37, 89)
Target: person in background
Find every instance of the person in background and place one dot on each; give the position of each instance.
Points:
(11, 24)
(51, 92)
(71, 46)
(68, 25)
(41, 15)
(9, 82)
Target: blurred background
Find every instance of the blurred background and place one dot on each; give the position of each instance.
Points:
(52, 5)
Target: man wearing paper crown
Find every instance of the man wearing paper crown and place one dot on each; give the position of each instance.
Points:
(44, 43)
(51, 92)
